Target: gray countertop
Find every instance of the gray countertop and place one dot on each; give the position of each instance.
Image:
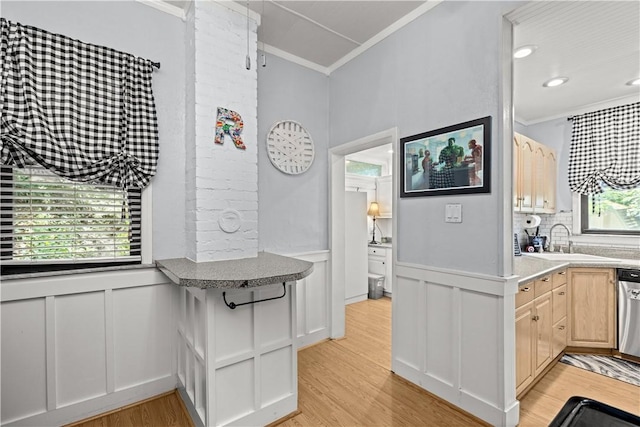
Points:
(380, 245)
(265, 269)
(531, 268)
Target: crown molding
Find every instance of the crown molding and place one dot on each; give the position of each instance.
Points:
(615, 102)
(164, 7)
(293, 58)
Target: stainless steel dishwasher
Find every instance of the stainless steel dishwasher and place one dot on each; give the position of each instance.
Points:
(629, 312)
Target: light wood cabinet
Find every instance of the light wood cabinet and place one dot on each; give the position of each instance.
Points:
(551, 179)
(542, 317)
(534, 333)
(591, 313)
(535, 175)
(559, 298)
(523, 180)
(524, 346)
(541, 308)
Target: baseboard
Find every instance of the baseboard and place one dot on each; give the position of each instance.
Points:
(191, 410)
(99, 405)
(355, 299)
(460, 400)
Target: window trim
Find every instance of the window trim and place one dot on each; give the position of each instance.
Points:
(146, 248)
(605, 239)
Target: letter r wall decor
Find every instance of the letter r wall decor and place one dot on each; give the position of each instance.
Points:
(229, 122)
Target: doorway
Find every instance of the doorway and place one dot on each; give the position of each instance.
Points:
(337, 211)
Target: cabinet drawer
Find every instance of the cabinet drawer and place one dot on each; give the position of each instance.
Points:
(559, 278)
(542, 286)
(377, 251)
(559, 337)
(525, 294)
(559, 303)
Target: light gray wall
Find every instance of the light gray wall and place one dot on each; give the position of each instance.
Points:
(440, 70)
(557, 135)
(140, 30)
(293, 211)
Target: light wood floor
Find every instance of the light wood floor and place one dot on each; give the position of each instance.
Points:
(166, 410)
(348, 382)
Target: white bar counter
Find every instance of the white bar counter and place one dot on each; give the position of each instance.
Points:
(238, 366)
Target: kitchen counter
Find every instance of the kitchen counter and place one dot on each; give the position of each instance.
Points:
(265, 269)
(381, 245)
(237, 333)
(530, 267)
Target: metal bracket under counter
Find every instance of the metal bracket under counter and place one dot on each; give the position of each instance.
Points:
(233, 305)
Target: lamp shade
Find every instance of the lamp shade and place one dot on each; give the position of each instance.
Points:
(374, 210)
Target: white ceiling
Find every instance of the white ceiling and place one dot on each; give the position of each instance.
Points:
(594, 43)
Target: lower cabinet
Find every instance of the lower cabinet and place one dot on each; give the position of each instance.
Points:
(524, 346)
(592, 316)
(540, 323)
(574, 307)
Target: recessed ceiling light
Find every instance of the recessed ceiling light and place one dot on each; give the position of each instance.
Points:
(634, 82)
(524, 51)
(556, 81)
(390, 151)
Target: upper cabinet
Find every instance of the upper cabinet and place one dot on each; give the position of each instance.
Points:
(384, 195)
(535, 171)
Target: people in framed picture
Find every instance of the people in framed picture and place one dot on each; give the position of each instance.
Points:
(474, 158)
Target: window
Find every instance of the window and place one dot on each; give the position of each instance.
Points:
(616, 212)
(361, 168)
(51, 223)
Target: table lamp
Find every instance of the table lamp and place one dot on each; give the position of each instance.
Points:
(374, 211)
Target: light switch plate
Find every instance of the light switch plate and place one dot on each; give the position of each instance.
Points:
(453, 212)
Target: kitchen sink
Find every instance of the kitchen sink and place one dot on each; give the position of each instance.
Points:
(558, 256)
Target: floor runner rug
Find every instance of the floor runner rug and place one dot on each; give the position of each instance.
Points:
(613, 367)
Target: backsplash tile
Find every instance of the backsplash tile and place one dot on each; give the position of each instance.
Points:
(560, 238)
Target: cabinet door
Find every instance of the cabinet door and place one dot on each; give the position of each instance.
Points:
(517, 171)
(591, 316)
(384, 196)
(559, 303)
(543, 318)
(527, 175)
(524, 346)
(539, 177)
(388, 283)
(559, 337)
(550, 177)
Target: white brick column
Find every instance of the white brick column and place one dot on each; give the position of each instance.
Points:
(220, 178)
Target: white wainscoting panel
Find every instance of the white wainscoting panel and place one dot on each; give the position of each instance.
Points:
(245, 372)
(440, 331)
(449, 337)
(24, 365)
(313, 300)
(77, 345)
(142, 319)
(80, 347)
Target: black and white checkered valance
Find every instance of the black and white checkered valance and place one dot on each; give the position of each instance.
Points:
(605, 150)
(83, 111)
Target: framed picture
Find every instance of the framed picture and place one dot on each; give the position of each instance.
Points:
(451, 160)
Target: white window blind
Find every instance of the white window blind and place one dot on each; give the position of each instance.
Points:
(46, 219)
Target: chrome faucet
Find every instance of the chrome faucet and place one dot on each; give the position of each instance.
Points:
(551, 235)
